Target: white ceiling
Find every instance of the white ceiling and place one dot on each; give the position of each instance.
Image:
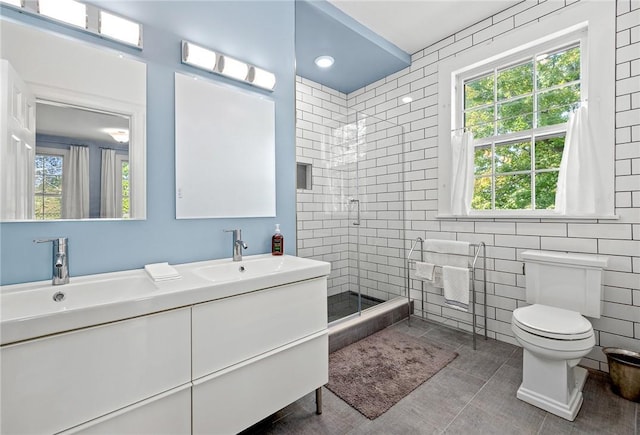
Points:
(77, 123)
(415, 24)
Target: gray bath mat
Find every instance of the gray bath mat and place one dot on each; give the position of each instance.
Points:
(374, 373)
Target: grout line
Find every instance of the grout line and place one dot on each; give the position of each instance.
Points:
(542, 424)
(481, 388)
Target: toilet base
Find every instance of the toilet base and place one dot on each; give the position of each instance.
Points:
(552, 385)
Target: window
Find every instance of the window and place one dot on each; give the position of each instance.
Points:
(517, 110)
(123, 185)
(511, 138)
(48, 184)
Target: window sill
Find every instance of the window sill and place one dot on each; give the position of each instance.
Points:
(528, 216)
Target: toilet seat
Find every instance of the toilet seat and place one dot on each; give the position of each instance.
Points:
(554, 348)
(552, 323)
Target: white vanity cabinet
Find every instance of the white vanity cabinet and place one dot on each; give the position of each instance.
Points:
(213, 366)
(54, 383)
(253, 354)
(165, 414)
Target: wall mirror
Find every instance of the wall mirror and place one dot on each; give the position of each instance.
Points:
(73, 124)
(225, 151)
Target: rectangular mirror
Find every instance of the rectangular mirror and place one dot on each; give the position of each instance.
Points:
(73, 128)
(225, 151)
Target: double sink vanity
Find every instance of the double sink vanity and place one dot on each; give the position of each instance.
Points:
(215, 351)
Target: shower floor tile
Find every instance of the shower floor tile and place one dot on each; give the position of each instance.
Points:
(346, 303)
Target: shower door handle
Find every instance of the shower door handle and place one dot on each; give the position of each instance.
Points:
(357, 203)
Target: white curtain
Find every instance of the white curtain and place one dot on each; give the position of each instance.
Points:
(108, 198)
(579, 182)
(461, 173)
(75, 184)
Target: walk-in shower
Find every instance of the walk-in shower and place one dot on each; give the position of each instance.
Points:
(352, 212)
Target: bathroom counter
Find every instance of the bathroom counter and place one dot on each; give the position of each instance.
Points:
(29, 310)
(206, 353)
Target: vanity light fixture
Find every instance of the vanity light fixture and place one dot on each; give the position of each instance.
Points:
(119, 28)
(16, 3)
(197, 56)
(407, 99)
(67, 11)
(88, 17)
(261, 78)
(222, 64)
(233, 68)
(324, 61)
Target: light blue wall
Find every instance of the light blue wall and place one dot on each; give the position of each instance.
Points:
(258, 32)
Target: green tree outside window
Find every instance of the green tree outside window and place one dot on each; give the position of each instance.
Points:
(521, 173)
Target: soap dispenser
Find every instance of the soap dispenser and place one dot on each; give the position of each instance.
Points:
(277, 242)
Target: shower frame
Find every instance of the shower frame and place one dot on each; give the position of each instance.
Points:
(363, 205)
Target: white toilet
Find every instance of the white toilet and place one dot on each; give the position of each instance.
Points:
(552, 331)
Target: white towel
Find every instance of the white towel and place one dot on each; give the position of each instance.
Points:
(437, 277)
(447, 246)
(424, 270)
(161, 272)
(447, 252)
(456, 287)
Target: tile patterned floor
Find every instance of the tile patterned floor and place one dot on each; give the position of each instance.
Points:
(474, 394)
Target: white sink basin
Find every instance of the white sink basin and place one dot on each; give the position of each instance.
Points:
(29, 310)
(254, 267)
(48, 299)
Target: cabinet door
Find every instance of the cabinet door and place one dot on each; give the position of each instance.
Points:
(235, 398)
(168, 413)
(57, 382)
(231, 330)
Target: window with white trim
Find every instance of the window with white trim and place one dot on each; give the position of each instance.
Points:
(49, 164)
(517, 109)
(123, 187)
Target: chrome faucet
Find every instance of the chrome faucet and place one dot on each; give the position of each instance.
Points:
(238, 244)
(60, 259)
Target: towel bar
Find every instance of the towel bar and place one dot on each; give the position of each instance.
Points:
(473, 269)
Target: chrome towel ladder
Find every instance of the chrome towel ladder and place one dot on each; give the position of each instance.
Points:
(476, 255)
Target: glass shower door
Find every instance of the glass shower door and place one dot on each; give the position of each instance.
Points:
(358, 217)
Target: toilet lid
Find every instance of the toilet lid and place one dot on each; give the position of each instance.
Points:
(552, 322)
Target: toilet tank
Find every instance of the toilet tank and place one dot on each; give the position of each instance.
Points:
(565, 280)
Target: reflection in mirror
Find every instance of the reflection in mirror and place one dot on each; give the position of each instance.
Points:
(81, 163)
(73, 129)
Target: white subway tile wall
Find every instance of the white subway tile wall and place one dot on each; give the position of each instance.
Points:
(505, 238)
(333, 141)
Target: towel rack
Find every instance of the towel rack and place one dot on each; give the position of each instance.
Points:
(473, 268)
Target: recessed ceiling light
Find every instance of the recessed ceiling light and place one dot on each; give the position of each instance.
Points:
(407, 99)
(324, 61)
(119, 135)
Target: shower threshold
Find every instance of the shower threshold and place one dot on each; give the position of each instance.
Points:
(353, 328)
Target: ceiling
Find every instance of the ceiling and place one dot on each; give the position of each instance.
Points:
(78, 124)
(371, 39)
